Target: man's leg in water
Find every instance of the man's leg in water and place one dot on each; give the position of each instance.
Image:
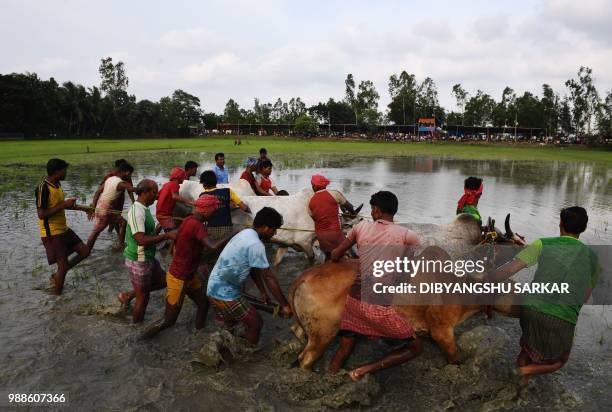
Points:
(347, 343)
(533, 369)
(396, 357)
(142, 300)
(199, 298)
(253, 323)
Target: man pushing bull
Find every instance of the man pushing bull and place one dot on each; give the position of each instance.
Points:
(380, 239)
(245, 254)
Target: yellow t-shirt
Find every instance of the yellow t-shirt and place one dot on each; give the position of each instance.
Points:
(234, 198)
(48, 196)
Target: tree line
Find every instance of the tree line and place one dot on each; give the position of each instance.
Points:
(35, 107)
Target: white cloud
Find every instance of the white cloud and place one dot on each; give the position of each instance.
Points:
(196, 40)
(218, 68)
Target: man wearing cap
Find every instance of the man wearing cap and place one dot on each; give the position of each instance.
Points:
(146, 274)
(323, 208)
(472, 190)
(114, 188)
(185, 275)
(58, 239)
(168, 196)
(245, 255)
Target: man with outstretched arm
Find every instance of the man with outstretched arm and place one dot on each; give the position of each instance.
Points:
(548, 320)
(58, 239)
(378, 240)
(246, 254)
(186, 275)
(146, 274)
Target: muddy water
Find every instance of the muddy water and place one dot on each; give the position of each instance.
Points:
(81, 345)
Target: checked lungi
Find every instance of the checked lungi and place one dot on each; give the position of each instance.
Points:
(375, 321)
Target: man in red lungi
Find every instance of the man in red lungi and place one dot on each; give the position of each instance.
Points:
(378, 240)
(323, 207)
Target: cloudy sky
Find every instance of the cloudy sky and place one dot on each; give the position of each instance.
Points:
(273, 48)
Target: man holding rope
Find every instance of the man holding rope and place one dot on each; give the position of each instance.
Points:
(168, 196)
(246, 254)
(58, 239)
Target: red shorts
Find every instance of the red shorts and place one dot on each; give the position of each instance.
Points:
(61, 246)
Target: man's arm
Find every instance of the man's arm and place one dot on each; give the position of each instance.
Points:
(505, 271)
(145, 240)
(96, 196)
(259, 282)
(276, 291)
(44, 213)
(125, 186)
(342, 248)
(179, 198)
(235, 199)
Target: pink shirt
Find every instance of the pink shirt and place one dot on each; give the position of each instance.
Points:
(379, 240)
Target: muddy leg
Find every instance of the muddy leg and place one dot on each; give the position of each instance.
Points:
(170, 317)
(347, 343)
(533, 369)
(199, 298)
(142, 300)
(445, 338)
(253, 327)
(394, 358)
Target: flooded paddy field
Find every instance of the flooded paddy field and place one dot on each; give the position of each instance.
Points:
(81, 343)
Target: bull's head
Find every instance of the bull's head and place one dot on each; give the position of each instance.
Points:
(493, 234)
(350, 219)
(500, 247)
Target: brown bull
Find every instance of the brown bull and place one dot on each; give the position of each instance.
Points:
(318, 297)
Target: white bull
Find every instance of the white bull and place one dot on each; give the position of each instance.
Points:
(298, 227)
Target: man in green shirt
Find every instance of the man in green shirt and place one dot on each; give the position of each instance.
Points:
(146, 274)
(548, 320)
(472, 190)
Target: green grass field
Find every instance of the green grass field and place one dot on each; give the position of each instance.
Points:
(37, 152)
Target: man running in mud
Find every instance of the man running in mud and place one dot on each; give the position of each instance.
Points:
(323, 208)
(185, 275)
(378, 240)
(57, 238)
(191, 169)
(168, 196)
(146, 274)
(246, 254)
(468, 203)
(548, 320)
(114, 187)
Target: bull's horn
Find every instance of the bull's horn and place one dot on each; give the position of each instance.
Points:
(358, 209)
(509, 232)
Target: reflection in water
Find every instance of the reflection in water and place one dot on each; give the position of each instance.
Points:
(66, 344)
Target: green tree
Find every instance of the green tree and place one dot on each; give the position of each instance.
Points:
(461, 96)
(403, 92)
(367, 103)
(349, 94)
(334, 112)
(550, 107)
(305, 124)
(232, 113)
(479, 109)
(187, 109)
